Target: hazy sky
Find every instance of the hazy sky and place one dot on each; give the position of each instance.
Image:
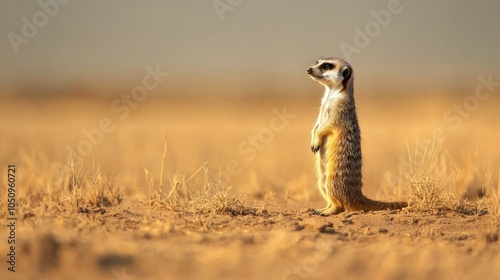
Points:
(424, 42)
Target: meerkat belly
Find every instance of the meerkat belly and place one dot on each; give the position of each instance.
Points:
(333, 155)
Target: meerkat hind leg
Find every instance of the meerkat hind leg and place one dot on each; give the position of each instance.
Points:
(322, 190)
(332, 210)
(324, 209)
(331, 207)
(324, 194)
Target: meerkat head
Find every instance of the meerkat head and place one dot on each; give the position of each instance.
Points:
(332, 73)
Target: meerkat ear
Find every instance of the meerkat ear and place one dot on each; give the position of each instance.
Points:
(346, 74)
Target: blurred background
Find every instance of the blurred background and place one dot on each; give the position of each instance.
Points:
(100, 81)
(245, 48)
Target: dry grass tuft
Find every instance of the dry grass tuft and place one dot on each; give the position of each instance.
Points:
(90, 189)
(493, 192)
(431, 181)
(213, 197)
(64, 187)
(207, 195)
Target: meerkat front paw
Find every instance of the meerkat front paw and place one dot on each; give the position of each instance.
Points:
(316, 144)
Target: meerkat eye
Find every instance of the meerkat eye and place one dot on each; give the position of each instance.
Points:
(327, 66)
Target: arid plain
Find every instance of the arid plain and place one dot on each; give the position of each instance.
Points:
(178, 189)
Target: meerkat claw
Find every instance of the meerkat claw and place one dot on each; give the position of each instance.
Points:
(314, 149)
(317, 212)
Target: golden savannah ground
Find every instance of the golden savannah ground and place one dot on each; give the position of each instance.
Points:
(226, 195)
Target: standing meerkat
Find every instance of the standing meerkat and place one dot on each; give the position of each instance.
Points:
(336, 139)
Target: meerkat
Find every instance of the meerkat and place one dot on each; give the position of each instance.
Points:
(336, 141)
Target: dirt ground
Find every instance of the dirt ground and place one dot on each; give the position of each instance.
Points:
(280, 243)
(214, 206)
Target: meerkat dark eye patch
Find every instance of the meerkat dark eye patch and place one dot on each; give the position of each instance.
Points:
(327, 66)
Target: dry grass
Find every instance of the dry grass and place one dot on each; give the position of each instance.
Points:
(494, 193)
(431, 181)
(64, 188)
(164, 211)
(433, 177)
(208, 196)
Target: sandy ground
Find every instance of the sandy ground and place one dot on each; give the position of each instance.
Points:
(280, 243)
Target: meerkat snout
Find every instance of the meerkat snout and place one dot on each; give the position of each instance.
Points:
(309, 70)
